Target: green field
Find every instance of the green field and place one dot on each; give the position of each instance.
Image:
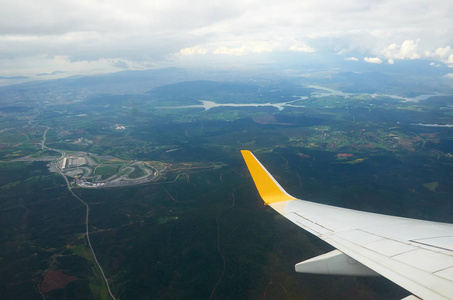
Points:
(202, 222)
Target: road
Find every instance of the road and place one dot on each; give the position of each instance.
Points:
(87, 233)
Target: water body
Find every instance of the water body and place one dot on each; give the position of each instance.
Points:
(207, 105)
(433, 125)
(329, 92)
(406, 99)
(332, 92)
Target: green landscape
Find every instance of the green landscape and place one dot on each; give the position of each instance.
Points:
(173, 211)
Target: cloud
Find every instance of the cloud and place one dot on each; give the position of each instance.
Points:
(301, 48)
(51, 74)
(12, 77)
(142, 33)
(449, 75)
(352, 58)
(193, 51)
(121, 65)
(238, 48)
(35, 64)
(373, 60)
(407, 50)
(443, 54)
(246, 48)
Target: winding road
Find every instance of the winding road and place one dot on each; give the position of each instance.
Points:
(87, 233)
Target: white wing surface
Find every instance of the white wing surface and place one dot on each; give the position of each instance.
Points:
(415, 254)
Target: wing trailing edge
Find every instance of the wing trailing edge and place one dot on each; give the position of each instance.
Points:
(334, 263)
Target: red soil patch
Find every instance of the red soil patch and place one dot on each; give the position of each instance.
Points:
(407, 144)
(55, 280)
(429, 135)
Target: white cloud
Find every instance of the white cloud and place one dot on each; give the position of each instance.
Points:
(193, 51)
(246, 48)
(449, 75)
(373, 60)
(444, 54)
(144, 32)
(407, 50)
(352, 58)
(239, 48)
(441, 54)
(448, 60)
(301, 48)
(390, 61)
(45, 64)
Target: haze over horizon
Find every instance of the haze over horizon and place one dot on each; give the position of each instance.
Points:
(121, 130)
(85, 37)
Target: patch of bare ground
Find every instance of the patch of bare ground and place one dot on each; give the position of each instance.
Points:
(55, 280)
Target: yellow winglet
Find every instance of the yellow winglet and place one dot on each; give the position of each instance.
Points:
(268, 188)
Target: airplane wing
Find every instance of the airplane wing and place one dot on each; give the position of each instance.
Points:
(415, 254)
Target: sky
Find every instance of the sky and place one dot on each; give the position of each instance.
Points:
(54, 38)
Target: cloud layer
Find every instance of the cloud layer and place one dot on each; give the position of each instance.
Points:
(104, 35)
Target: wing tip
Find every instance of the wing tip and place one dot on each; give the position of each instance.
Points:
(268, 188)
(246, 152)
